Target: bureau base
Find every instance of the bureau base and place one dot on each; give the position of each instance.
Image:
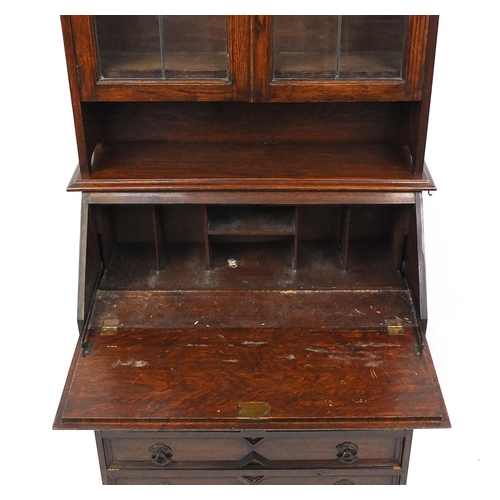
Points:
(254, 457)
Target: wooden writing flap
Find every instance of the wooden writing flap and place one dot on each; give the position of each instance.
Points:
(198, 378)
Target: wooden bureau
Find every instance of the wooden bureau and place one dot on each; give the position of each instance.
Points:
(252, 297)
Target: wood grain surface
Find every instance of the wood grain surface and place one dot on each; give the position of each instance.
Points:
(149, 377)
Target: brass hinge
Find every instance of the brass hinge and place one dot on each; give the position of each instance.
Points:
(254, 410)
(110, 327)
(394, 327)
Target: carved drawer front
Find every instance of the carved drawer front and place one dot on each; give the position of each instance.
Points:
(163, 449)
(261, 479)
(336, 448)
(264, 450)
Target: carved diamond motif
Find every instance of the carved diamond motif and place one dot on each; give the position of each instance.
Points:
(253, 479)
(254, 459)
(253, 441)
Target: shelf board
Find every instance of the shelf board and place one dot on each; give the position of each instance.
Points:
(178, 65)
(251, 220)
(162, 166)
(322, 65)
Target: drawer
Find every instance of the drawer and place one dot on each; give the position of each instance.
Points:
(205, 478)
(265, 449)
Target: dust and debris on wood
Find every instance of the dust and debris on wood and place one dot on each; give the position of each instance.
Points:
(375, 344)
(130, 362)
(317, 349)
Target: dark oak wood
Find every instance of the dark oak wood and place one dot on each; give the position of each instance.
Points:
(83, 128)
(420, 116)
(251, 220)
(217, 166)
(252, 293)
(91, 266)
(251, 197)
(309, 457)
(190, 450)
(261, 265)
(243, 122)
(333, 379)
(344, 235)
(159, 235)
(319, 478)
(409, 87)
(250, 59)
(93, 88)
(253, 309)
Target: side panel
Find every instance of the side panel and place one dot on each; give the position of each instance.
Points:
(415, 261)
(91, 265)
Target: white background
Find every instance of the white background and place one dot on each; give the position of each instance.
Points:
(39, 256)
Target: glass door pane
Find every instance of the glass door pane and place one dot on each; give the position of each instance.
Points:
(371, 47)
(128, 46)
(162, 47)
(195, 46)
(338, 47)
(305, 47)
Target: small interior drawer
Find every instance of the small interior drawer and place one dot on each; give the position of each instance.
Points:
(264, 450)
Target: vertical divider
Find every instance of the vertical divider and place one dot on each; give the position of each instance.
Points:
(159, 234)
(106, 233)
(296, 237)
(345, 220)
(399, 235)
(208, 250)
(162, 45)
(337, 55)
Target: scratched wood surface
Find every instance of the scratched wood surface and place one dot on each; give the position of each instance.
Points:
(259, 265)
(365, 310)
(196, 378)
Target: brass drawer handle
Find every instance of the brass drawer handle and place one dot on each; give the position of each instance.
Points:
(161, 454)
(347, 453)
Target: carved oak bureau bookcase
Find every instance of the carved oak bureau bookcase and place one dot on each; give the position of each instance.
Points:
(252, 296)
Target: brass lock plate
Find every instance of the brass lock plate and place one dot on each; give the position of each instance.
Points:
(254, 410)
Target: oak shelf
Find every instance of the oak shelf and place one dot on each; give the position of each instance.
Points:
(161, 166)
